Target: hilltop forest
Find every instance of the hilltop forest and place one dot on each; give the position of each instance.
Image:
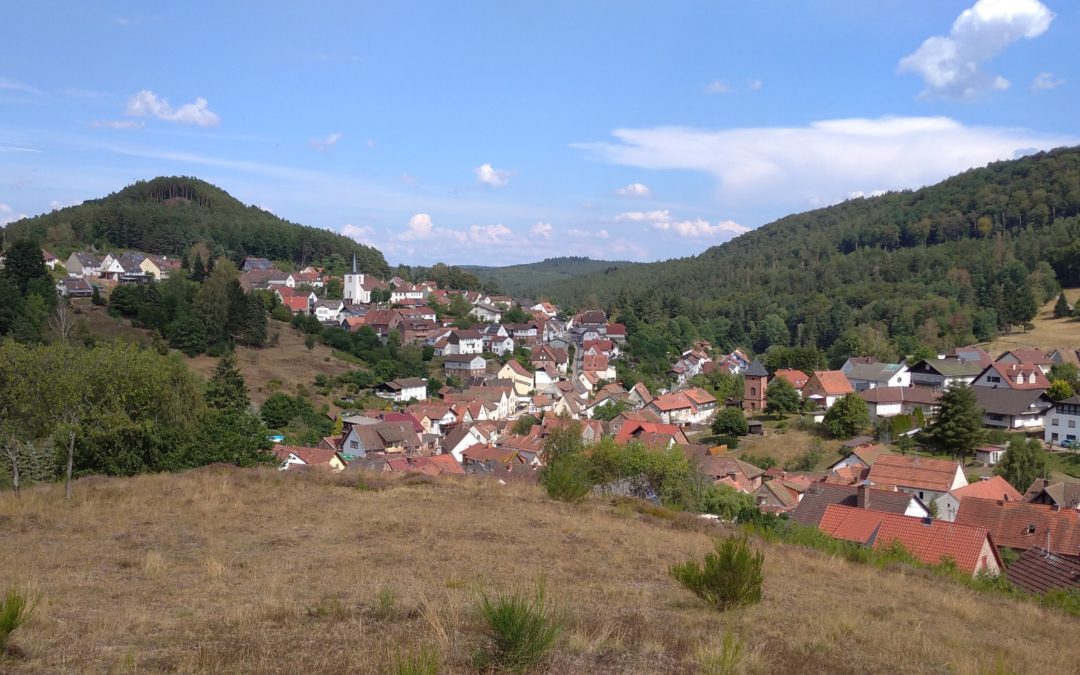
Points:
(958, 262)
(168, 215)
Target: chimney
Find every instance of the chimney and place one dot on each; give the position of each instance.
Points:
(862, 495)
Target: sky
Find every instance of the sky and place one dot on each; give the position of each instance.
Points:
(505, 132)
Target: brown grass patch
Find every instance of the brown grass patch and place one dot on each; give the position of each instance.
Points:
(258, 571)
(1049, 333)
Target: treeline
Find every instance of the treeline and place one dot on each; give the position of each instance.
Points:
(118, 409)
(951, 264)
(143, 217)
(526, 280)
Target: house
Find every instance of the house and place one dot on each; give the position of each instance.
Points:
(464, 365)
(545, 354)
(691, 363)
(735, 363)
(159, 267)
(989, 455)
(1039, 571)
(755, 379)
(989, 487)
(892, 401)
(1063, 422)
(293, 457)
(546, 308)
(328, 311)
(970, 354)
(434, 465)
(819, 496)
(864, 376)
(1023, 525)
(776, 496)
(862, 457)
(403, 389)
(592, 318)
(826, 387)
(83, 264)
(1016, 376)
(1065, 356)
(486, 313)
(651, 433)
(932, 542)
(796, 378)
(691, 406)
(251, 263)
(1013, 408)
(616, 332)
(1030, 357)
(926, 478)
(519, 375)
(461, 341)
(943, 373)
(734, 473)
(74, 287)
(639, 396)
(1055, 493)
(51, 261)
(497, 340)
(389, 437)
(599, 364)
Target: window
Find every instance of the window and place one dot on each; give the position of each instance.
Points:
(753, 391)
(993, 378)
(1053, 421)
(1072, 424)
(354, 444)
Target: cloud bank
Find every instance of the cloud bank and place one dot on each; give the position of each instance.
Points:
(148, 104)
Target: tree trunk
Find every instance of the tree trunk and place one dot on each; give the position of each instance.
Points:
(70, 464)
(13, 455)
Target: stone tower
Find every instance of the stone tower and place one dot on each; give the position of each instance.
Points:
(755, 380)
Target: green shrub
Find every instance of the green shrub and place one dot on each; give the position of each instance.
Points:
(565, 481)
(422, 661)
(724, 659)
(1062, 600)
(521, 630)
(16, 609)
(729, 577)
(385, 604)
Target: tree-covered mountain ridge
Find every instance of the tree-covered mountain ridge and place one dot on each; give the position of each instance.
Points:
(952, 263)
(169, 214)
(527, 278)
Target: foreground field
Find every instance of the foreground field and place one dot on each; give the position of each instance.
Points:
(227, 571)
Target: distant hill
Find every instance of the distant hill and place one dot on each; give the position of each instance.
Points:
(964, 260)
(168, 215)
(530, 279)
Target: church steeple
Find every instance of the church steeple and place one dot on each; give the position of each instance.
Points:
(354, 263)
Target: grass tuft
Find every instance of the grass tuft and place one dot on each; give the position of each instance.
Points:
(420, 661)
(521, 630)
(16, 608)
(729, 577)
(722, 659)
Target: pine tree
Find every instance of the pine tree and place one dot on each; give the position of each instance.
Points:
(24, 264)
(198, 269)
(1061, 307)
(253, 330)
(958, 426)
(226, 389)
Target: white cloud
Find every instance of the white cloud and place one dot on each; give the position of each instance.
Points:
(698, 228)
(662, 216)
(753, 166)
(489, 175)
(409, 180)
(9, 215)
(117, 124)
(543, 230)
(634, 190)
(490, 234)
(950, 65)
(603, 234)
(12, 85)
(420, 227)
(755, 85)
(717, 87)
(1000, 83)
(361, 233)
(325, 143)
(1044, 81)
(147, 104)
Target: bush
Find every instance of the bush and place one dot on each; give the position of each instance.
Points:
(565, 481)
(721, 660)
(729, 577)
(1067, 601)
(15, 609)
(730, 422)
(422, 661)
(521, 630)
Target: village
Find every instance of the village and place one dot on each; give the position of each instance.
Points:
(510, 385)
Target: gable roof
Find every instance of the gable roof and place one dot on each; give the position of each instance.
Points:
(930, 541)
(309, 456)
(994, 487)
(951, 367)
(832, 382)
(918, 395)
(911, 471)
(1038, 571)
(1022, 525)
(1002, 401)
(1064, 494)
(874, 372)
(796, 378)
(1031, 375)
(820, 495)
(1027, 355)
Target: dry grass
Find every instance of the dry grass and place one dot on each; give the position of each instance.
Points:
(1049, 333)
(787, 444)
(228, 571)
(284, 367)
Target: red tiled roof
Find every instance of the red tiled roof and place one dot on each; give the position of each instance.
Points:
(1038, 571)
(995, 487)
(1025, 371)
(797, 378)
(1022, 525)
(833, 382)
(309, 456)
(930, 541)
(915, 472)
(633, 428)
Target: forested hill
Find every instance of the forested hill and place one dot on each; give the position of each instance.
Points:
(168, 215)
(529, 279)
(948, 264)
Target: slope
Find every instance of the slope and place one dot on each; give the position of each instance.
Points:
(528, 279)
(168, 215)
(225, 570)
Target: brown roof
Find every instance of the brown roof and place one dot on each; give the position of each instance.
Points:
(1025, 371)
(994, 487)
(1021, 525)
(920, 395)
(1038, 571)
(820, 495)
(309, 456)
(833, 382)
(1045, 491)
(797, 378)
(1028, 355)
(911, 471)
(930, 541)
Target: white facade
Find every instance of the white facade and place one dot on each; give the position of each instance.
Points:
(354, 291)
(1063, 422)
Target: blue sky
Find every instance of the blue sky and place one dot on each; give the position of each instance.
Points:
(505, 132)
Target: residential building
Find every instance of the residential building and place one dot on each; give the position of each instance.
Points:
(486, 313)
(328, 311)
(1023, 525)
(1063, 422)
(691, 406)
(942, 373)
(251, 263)
(74, 287)
(892, 401)
(1038, 571)
(864, 376)
(826, 387)
(519, 375)
(1065, 495)
(1013, 408)
(923, 477)
(83, 264)
(464, 365)
(403, 389)
(989, 487)
(293, 457)
(796, 378)
(1016, 376)
(820, 495)
(1030, 357)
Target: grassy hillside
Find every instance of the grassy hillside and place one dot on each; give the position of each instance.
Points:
(1048, 332)
(529, 279)
(223, 570)
(168, 215)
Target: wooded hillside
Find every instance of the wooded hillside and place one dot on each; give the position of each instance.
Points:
(518, 280)
(168, 215)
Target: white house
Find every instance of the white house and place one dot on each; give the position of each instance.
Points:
(464, 342)
(923, 477)
(893, 401)
(989, 487)
(485, 312)
(83, 264)
(329, 311)
(864, 376)
(941, 373)
(464, 365)
(1063, 422)
(403, 389)
(1013, 408)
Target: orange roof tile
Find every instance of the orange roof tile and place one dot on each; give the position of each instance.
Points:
(994, 487)
(911, 471)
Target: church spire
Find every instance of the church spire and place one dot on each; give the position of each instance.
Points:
(354, 263)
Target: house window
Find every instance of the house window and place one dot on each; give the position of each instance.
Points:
(354, 444)
(753, 391)
(1072, 424)
(993, 378)
(1053, 421)
(1054, 437)
(920, 495)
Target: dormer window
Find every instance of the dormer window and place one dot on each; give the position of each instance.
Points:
(1031, 528)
